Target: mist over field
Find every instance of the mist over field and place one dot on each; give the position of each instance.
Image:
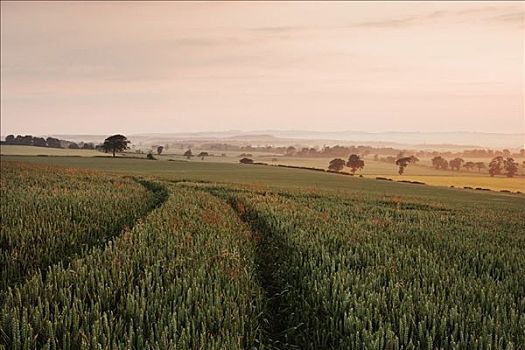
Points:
(394, 70)
(420, 140)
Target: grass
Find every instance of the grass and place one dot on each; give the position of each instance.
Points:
(46, 151)
(182, 278)
(415, 172)
(493, 183)
(422, 171)
(276, 177)
(356, 272)
(260, 257)
(49, 214)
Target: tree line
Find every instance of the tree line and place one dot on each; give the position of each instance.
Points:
(356, 163)
(498, 165)
(113, 144)
(342, 151)
(50, 142)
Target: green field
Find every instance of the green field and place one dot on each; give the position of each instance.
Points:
(421, 171)
(130, 253)
(46, 151)
(270, 177)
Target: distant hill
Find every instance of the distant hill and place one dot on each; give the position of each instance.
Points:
(419, 140)
(457, 138)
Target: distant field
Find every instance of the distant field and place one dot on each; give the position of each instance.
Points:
(422, 172)
(415, 172)
(36, 151)
(275, 177)
(373, 167)
(493, 183)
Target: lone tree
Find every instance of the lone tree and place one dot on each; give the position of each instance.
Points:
(188, 154)
(115, 143)
(246, 161)
(403, 163)
(480, 165)
(202, 155)
(510, 166)
(336, 164)
(456, 163)
(496, 166)
(160, 149)
(355, 163)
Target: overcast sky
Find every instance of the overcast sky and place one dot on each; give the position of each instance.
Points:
(173, 66)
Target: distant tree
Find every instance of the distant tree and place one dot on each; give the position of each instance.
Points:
(469, 165)
(160, 149)
(414, 159)
(9, 139)
(290, 151)
(88, 145)
(53, 142)
(246, 161)
(436, 161)
(439, 163)
(355, 163)
(150, 156)
(115, 143)
(480, 165)
(73, 145)
(26, 140)
(336, 164)
(496, 166)
(455, 164)
(39, 142)
(188, 154)
(510, 166)
(202, 155)
(403, 163)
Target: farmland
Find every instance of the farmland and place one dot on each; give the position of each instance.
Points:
(422, 171)
(46, 151)
(76, 209)
(262, 175)
(269, 176)
(129, 253)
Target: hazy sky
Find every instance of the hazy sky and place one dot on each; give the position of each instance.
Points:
(174, 66)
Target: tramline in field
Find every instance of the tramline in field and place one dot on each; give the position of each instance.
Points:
(190, 265)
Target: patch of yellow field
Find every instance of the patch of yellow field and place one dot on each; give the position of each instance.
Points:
(493, 183)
